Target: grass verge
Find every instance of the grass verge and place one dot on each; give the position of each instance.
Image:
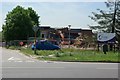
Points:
(74, 55)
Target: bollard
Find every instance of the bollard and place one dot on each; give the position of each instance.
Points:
(105, 48)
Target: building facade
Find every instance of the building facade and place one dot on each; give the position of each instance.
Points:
(60, 34)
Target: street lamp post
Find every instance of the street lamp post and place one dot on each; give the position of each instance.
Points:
(35, 28)
(69, 34)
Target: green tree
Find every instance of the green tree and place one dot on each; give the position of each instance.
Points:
(109, 20)
(33, 16)
(19, 24)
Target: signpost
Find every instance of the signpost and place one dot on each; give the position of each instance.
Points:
(35, 28)
(105, 39)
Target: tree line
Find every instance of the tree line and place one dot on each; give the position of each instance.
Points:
(108, 20)
(19, 22)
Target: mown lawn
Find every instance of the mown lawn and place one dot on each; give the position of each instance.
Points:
(74, 55)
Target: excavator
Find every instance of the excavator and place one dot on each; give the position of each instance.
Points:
(63, 42)
(47, 45)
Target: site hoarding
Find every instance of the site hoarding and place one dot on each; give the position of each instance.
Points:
(106, 38)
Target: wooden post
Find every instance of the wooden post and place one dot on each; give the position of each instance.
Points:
(98, 46)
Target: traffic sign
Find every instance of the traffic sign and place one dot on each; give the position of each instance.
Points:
(35, 28)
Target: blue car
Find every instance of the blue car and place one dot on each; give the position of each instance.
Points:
(45, 45)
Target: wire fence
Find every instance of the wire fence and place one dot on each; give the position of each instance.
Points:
(62, 44)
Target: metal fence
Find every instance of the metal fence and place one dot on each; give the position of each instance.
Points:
(62, 44)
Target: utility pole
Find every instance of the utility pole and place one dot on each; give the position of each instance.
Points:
(114, 21)
(114, 17)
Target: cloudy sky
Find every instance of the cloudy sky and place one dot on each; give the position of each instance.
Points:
(57, 14)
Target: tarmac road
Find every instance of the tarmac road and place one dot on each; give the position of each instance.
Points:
(17, 65)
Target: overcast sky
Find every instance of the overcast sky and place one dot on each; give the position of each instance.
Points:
(58, 14)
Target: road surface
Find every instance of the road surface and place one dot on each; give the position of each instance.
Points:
(17, 65)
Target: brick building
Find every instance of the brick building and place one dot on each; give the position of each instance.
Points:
(46, 32)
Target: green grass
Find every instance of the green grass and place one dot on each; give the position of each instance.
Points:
(74, 55)
(13, 47)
